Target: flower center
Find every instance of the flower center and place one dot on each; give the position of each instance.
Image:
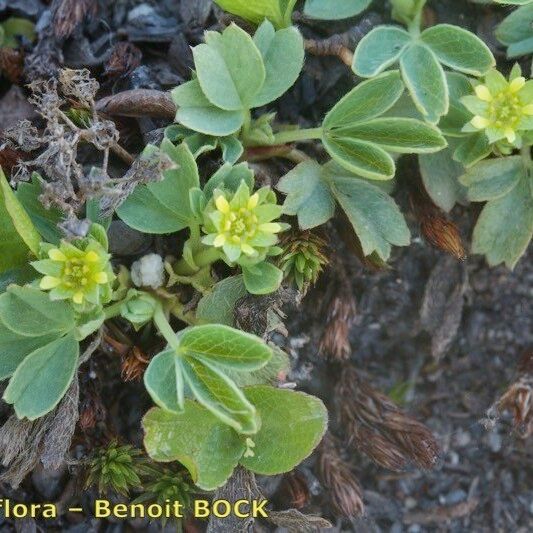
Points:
(75, 273)
(505, 110)
(241, 224)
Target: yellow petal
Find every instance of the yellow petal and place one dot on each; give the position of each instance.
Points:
(510, 134)
(480, 122)
(483, 93)
(55, 254)
(270, 227)
(528, 109)
(49, 282)
(219, 241)
(78, 297)
(222, 204)
(247, 249)
(253, 201)
(101, 277)
(91, 256)
(517, 84)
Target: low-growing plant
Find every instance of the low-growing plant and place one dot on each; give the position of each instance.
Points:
(214, 386)
(279, 12)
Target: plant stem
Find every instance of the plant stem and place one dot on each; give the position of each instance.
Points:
(525, 152)
(113, 310)
(161, 322)
(289, 136)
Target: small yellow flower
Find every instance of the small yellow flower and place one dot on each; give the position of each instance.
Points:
(241, 224)
(79, 273)
(503, 109)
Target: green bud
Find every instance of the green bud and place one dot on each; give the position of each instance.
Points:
(139, 308)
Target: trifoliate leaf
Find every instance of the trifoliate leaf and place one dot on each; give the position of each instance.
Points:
(374, 215)
(230, 69)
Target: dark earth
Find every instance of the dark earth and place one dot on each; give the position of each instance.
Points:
(446, 369)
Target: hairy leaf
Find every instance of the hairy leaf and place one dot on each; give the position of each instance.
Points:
(379, 49)
(262, 278)
(334, 9)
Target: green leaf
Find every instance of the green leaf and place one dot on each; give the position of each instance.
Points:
(19, 276)
(517, 26)
(230, 69)
(452, 123)
(402, 135)
(308, 196)
(472, 149)
(207, 448)
(42, 379)
(224, 346)
(292, 425)
(440, 175)
(14, 348)
(505, 226)
(196, 112)
(425, 79)
(18, 236)
(379, 49)
(262, 278)
(44, 220)
(220, 395)
(218, 306)
(163, 207)
(31, 313)
(362, 158)
(279, 12)
(334, 9)
(283, 58)
(366, 101)
(492, 179)
(374, 215)
(199, 360)
(459, 49)
(229, 177)
(164, 381)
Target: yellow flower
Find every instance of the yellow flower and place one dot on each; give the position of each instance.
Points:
(80, 273)
(241, 224)
(503, 109)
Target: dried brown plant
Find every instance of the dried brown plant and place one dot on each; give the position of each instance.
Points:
(344, 489)
(379, 428)
(69, 13)
(65, 183)
(435, 226)
(518, 398)
(340, 309)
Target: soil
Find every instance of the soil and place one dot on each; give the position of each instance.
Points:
(447, 376)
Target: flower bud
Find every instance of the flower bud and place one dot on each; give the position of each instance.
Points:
(139, 308)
